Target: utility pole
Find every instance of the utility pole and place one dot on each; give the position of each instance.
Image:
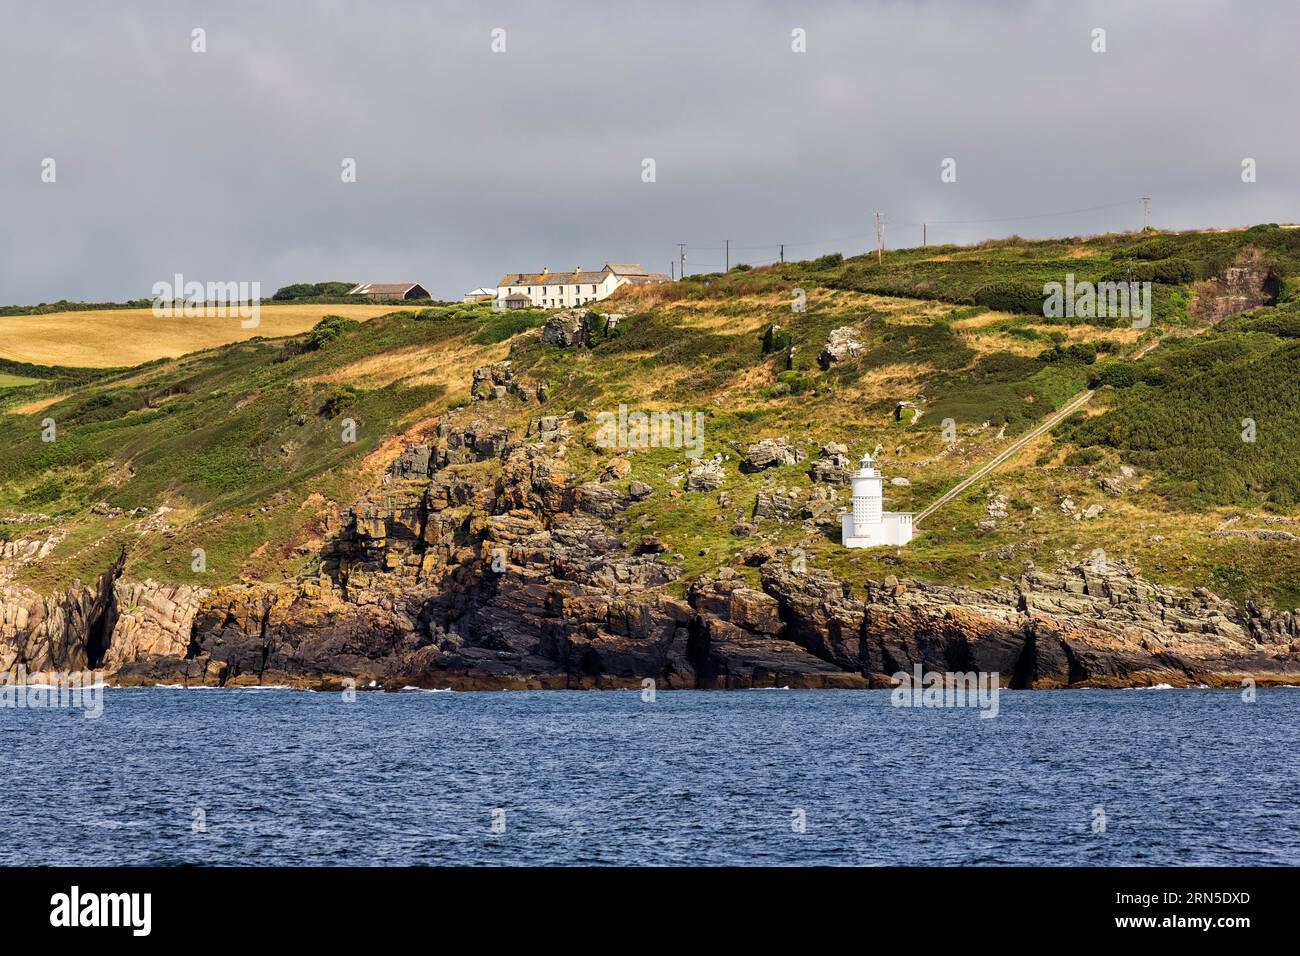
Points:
(783, 253)
(681, 251)
(1146, 209)
(923, 242)
(880, 240)
(728, 268)
(672, 269)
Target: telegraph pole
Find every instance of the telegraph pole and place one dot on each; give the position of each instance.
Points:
(1146, 209)
(681, 252)
(880, 240)
(783, 253)
(923, 242)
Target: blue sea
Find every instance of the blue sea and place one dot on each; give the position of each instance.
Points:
(276, 776)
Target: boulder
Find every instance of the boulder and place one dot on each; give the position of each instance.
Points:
(832, 465)
(707, 475)
(768, 453)
(843, 343)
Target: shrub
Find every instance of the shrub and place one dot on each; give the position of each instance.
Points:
(1011, 296)
(788, 383)
(1084, 457)
(337, 399)
(312, 290)
(1121, 374)
(1080, 353)
(506, 324)
(327, 330)
(774, 339)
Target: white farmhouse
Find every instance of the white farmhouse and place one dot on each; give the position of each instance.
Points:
(867, 525)
(564, 290)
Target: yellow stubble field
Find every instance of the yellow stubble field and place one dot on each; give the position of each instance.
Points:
(125, 337)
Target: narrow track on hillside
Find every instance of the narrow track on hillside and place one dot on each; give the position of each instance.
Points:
(1069, 408)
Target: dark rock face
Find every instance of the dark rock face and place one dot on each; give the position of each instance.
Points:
(570, 327)
(1082, 625)
(66, 631)
(497, 382)
(1247, 284)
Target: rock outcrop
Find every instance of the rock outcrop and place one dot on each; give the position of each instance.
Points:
(770, 453)
(496, 382)
(570, 327)
(842, 343)
(706, 475)
(1247, 284)
(832, 465)
(482, 562)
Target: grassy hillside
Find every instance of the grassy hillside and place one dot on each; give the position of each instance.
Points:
(244, 441)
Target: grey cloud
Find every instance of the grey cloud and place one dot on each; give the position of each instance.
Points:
(226, 165)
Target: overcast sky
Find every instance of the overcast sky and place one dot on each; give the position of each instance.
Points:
(226, 165)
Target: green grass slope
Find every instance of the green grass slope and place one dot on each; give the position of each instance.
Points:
(245, 443)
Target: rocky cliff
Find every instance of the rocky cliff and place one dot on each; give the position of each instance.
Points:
(482, 561)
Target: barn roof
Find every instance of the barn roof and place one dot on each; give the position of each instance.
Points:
(384, 288)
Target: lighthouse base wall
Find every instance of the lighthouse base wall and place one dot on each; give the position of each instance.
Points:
(895, 528)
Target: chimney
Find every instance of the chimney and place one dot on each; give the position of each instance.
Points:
(543, 272)
(577, 270)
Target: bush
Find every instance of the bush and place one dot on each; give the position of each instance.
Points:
(1121, 374)
(312, 290)
(1011, 296)
(1164, 271)
(506, 324)
(788, 383)
(1080, 353)
(338, 399)
(327, 330)
(774, 339)
(1082, 457)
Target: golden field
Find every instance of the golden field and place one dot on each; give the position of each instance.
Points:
(125, 337)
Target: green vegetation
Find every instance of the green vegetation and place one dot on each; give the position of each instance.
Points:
(501, 325)
(63, 305)
(246, 441)
(314, 291)
(1217, 415)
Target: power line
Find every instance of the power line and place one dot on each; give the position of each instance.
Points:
(929, 222)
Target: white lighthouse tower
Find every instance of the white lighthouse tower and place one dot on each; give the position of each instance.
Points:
(868, 524)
